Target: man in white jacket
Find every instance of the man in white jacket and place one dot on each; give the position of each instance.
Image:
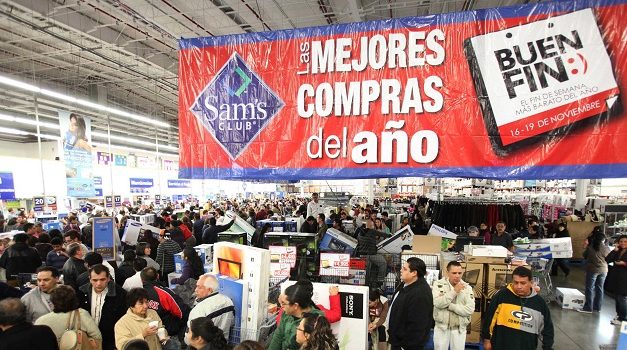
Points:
(453, 304)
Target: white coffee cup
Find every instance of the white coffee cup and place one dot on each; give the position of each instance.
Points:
(153, 324)
(161, 333)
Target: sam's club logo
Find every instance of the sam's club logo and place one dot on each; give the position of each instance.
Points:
(236, 105)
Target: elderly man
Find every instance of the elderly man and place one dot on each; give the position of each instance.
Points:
(17, 333)
(210, 303)
(37, 301)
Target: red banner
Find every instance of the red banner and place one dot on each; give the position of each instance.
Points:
(525, 92)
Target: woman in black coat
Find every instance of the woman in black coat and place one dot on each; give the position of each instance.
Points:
(617, 277)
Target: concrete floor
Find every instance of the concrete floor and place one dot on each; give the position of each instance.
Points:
(577, 331)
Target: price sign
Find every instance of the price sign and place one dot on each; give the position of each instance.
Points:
(334, 264)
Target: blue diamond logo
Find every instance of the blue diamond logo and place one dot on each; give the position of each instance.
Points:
(236, 106)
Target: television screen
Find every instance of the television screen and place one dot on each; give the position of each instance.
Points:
(230, 268)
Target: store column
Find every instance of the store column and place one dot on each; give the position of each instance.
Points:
(581, 191)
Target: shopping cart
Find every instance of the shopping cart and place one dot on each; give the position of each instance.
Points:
(541, 271)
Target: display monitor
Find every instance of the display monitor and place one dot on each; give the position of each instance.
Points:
(462, 241)
(230, 268)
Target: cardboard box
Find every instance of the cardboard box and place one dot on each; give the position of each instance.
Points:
(336, 241)
(484, 260)
(205, 251)
(494, 251)
(579, 231)
(355, 277)
(550, 244)
(497, 277)
(171, 276)
(570, 298)
(473, 332)
(426, 244)
(545, 254)
(474, 276)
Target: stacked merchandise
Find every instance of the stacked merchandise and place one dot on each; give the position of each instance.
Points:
(549, 248)
(486, 271)
(356, 273)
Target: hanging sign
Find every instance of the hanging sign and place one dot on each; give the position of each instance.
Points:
(109, 201)
(77, 154)
(117, 200)
(38, 204)
(7, 186)
(179, 184)
(157, 199)
(510, 93)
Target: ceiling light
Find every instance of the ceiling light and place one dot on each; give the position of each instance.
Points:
(132, 140)
(57, 95)
(12, 131)
(130, 149)
(20, 120)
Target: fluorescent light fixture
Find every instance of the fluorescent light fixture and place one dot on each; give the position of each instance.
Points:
(130, 149)
(132, 140)
(20, 120)
(12, 131)
(59, 96)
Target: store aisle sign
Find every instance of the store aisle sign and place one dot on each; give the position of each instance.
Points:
(38, 204)
(108, 201)
(510, 93)
(7, 186)
(117, 200)
(120, 160)
(140, 185)
(179, 184)
(104, 158)
(103, 240)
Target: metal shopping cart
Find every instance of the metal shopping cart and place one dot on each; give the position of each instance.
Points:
(541, 271)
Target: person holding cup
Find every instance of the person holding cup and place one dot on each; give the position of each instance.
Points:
(140, 322)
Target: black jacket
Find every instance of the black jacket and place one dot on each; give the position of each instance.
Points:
(86, 235)
(210, 232)
(411, 316)
(27, 336)
(71, 270)
(125, 271)
(197, 229)
(617, 275)
(20, 258)
(6, 291)
(366, 243)
(113, 309)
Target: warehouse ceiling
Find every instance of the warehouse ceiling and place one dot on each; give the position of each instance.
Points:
(123, 54)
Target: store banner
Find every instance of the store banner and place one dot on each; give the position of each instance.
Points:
(179, 184)
(141, 185)
(524, 92)
(7, 186)
(104, 158)
(103, 240)
(120, 160)
(77, 154)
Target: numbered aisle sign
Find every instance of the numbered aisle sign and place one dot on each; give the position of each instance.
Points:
(117, 199)
(38, 204)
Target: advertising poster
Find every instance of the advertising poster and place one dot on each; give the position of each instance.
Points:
(7, 186)
(250, 264)
(120, 160)
(102, 237)
(141, 185)
(395, 244)
(351, 330)
(525, 92)
(77, 154)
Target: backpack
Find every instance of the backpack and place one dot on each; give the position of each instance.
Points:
(74, 338)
